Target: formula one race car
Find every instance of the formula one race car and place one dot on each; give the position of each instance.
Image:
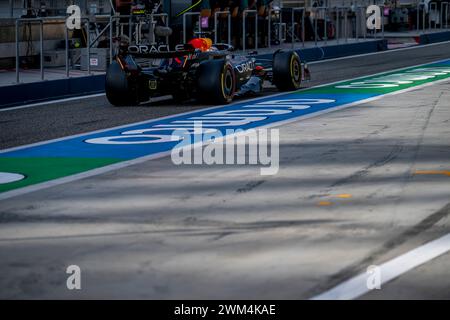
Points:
(209, 73)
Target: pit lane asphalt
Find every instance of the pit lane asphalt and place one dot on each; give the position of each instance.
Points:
(348, 195)
(44, 122)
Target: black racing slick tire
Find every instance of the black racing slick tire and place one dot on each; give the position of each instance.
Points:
(287, 70)
(216, 82)
(119, 91)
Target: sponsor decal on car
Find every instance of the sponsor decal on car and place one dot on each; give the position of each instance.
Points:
(247, 66)
(152, 84)
(144, 48)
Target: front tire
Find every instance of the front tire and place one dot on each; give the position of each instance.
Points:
(119, 90)
(287, 71)
(216, 82)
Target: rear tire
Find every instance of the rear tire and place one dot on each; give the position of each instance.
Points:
(216, 82)
(287, 71)
(118, 90)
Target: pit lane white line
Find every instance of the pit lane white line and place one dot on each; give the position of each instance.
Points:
(52, 102)
(37, 104)
(357, 286)
(379, 52)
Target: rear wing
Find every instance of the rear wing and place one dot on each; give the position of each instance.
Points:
(157, 51)
(161, 55)
(163, 51)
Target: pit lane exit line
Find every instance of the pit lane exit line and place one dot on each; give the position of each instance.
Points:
(71, 158)
(379, 52)
(357, 286)
(37, 104)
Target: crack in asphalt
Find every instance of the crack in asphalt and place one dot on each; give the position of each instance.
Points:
(423, 129)
(250, 186)
(392, 155)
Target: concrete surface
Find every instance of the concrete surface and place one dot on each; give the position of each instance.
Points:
(346, 197)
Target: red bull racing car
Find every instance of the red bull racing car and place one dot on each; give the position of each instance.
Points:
(200, 70)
